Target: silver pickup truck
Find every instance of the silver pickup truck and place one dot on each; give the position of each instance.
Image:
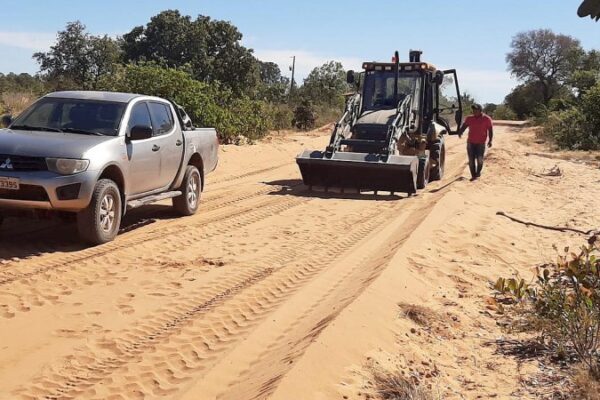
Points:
(98, 154)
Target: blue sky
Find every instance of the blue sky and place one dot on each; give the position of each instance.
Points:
(472, 36)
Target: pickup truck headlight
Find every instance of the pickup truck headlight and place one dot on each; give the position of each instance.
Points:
(67, 166)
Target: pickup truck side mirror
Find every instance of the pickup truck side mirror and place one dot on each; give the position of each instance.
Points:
(6, 121)
(140, 132)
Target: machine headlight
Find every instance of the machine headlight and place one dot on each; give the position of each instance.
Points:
(67, 166)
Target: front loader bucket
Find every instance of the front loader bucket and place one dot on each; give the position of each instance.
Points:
(360, 171)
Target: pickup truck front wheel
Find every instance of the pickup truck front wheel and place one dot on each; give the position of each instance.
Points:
(99, 222)
(188, 202)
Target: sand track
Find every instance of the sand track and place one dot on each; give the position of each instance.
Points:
(229, 303)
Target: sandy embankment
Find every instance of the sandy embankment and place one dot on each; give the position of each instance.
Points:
(271, 291)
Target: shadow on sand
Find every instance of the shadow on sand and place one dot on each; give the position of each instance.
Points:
(22, 237)
(295, 187)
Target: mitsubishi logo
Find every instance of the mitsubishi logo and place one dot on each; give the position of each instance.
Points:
(7, 164)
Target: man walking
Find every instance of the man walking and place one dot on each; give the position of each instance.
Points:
(480, 126)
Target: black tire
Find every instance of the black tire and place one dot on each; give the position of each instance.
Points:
(191, 187)
(438, 154)
(99, 222)
(423, 172)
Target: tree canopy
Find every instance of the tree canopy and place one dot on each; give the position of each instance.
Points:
(544, 57)
(326, 84)
(211, 49)
(78, 59)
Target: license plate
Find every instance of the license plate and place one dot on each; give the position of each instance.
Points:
(9, 183)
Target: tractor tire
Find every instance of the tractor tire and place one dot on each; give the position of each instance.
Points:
(438, 155)
(423, 172)
(99, 222)
(191, 189)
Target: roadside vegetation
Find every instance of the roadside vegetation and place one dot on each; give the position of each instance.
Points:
(560, 310)
(199, 63)
(559, 90)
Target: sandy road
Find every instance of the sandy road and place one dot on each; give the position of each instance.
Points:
(222, 304)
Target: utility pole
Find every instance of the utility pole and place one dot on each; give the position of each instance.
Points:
(293, 69)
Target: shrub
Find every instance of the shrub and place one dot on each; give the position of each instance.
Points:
(281, 117)
(504, 112)
(304, 116)
(207, 104)
(563, 304)
(577, 127)
(571, 129)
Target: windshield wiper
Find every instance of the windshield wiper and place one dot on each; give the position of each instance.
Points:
(34, 128)
(82, 131)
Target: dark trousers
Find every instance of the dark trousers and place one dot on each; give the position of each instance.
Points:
(475, 151)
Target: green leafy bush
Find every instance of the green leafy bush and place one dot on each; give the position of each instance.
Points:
(577, 127)
(207, 104)
(563, 304)
(304, 115)
(503, 112)
(281, 116)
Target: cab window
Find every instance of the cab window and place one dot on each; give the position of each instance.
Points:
(161, 117)
(139, 116)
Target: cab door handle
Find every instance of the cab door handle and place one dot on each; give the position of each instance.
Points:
(155, 147)
(178, 142)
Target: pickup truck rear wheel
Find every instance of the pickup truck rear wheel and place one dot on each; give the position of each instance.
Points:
(99, 222)
(191, 187)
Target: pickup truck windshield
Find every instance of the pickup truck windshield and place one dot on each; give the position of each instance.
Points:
(86, 117)
(379, 89)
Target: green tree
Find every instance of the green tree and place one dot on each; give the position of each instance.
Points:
(525, 99)
(326, 85)
(207, 104)
(544, 58)
(78, 60)
(211, 49)
(273, 87)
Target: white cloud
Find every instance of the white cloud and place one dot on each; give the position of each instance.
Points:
(28, 40)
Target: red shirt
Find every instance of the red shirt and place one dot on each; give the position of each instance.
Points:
(478, 128)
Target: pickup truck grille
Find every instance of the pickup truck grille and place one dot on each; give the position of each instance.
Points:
(25, 192)
(22, 163)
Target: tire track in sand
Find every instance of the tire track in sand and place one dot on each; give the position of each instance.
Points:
(82, 271)
(262, 289)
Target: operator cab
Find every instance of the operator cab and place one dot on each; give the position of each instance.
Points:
(434, 97)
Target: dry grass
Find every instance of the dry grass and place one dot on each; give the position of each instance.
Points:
(585, 386)
(395, 386)
(15, 102)
(420, 315)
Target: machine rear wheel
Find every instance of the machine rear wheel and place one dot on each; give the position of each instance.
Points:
(438, 154)
(423, 173)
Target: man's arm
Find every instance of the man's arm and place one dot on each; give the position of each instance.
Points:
(491, 134)
(462, 129)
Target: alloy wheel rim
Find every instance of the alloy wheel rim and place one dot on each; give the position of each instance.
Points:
(107, 212)
(192, 192)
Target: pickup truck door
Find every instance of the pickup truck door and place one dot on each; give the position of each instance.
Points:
(144, 155)
(170, 139)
